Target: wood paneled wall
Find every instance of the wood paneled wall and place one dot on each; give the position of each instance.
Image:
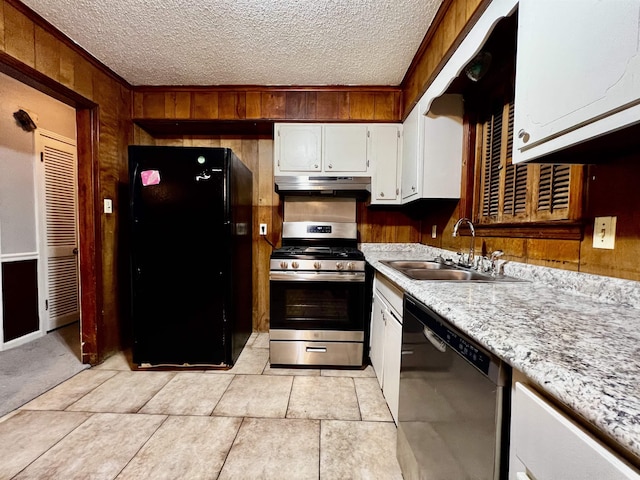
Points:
(37, 54)
(452, 22)
(268, 103)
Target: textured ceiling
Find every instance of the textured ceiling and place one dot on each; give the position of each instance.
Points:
(247, 42)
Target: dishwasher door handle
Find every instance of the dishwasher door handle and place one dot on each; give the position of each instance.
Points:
(435, 341)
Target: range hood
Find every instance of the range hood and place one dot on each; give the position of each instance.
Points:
(323, 186)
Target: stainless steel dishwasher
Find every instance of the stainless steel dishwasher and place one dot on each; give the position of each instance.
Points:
(454, 402)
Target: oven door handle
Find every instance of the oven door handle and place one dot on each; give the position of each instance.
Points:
(317, 276)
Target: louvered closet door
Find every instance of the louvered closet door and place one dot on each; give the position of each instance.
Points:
(59, 237)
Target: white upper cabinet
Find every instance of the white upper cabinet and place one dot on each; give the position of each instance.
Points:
(320, 149)
(432, 150)
(345, 148)
(384, 154)
(298, 148)
(411, 148)
(443, 138)
(577, 73)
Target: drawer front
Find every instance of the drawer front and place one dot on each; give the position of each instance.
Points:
(554, 447)
(346, 354)
(392, 294)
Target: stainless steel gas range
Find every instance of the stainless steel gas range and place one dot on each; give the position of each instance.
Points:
(318, 286)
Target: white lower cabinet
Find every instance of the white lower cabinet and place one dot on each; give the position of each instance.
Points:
(386, 339)
(548, 445)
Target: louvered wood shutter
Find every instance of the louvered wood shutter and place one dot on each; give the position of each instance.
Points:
(515, 180)
(521, 193)
(491, 164)
(552, 197)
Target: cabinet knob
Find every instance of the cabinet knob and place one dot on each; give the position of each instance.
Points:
(330, 166)
(523, 135)
(413, 189)
(382, 194)
(315, 166)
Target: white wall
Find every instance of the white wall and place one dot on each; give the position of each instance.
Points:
(17, 160)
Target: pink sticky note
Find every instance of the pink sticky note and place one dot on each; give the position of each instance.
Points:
(150, 177)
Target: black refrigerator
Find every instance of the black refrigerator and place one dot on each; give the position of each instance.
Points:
(191, 255)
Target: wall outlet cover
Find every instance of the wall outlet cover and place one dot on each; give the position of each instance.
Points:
(604, 232)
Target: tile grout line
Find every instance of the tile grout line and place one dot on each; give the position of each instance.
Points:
(57, 442)
(166, 417)
(226, 457)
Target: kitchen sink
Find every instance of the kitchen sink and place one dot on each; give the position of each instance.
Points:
(434, 270)
(417, 264)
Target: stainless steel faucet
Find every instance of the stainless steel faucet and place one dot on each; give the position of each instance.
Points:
(469, 261)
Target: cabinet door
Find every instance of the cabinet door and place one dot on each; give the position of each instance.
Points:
(552, 446)
(410, 152)
(298, 148)
(384, 153)
(376, 351)
(345, 148)
(391, 369)
(577, 63)
(442, 138)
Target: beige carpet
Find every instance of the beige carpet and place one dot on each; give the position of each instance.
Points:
(29, 370)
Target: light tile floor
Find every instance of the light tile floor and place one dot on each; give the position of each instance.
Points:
(249, 422)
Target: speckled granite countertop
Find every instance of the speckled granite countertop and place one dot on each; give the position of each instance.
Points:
(577, 336)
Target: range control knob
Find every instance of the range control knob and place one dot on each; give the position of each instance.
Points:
(284, 265)
(351, 266)
(295, 264)
(317, 265)
(339, 266)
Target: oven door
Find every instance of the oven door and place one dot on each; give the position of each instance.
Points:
(317, 318)
(317, 301)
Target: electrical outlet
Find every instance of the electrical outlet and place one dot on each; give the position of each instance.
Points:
(604, 232)
(108, 205)
(434, 231)
(263, 229)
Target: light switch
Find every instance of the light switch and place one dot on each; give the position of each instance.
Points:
(434, 231)
(604, 232)
(108, 205)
